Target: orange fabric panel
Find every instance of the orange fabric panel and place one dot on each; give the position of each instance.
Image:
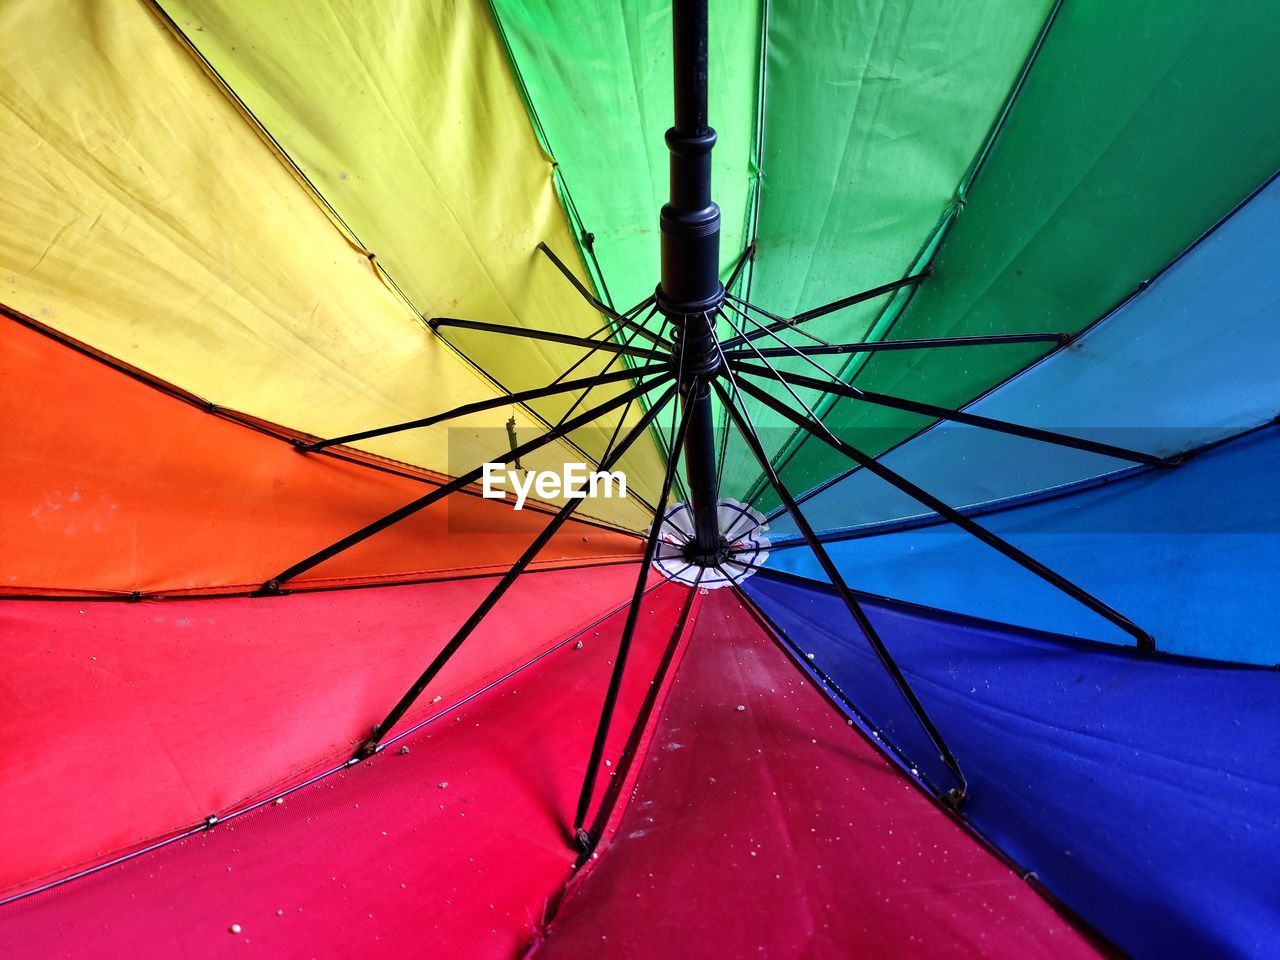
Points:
(112, 485)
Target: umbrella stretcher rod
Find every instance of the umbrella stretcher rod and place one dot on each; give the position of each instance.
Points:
(373, 744)
(747, 430)
(479, 406)
(814, 426)
(276, 583)
(817, 429)
(624, 320)
(841, 389)
(584, 838)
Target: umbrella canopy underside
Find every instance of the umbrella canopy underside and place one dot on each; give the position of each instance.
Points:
(992, 669)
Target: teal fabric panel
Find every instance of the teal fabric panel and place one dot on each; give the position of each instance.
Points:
(1188, 361)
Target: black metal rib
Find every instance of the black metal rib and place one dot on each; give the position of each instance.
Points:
(732, 365)
(595, 302)
(587, 392)
(628, 630)
(865, 295)
(479, 406)
(370, 746)
(927, 343)
(409, 509)
(748, 255)
(607, 328)
(740, 338)
(613, 437)
(629, 751)
(748, 432)
(1144, 639)
(786, 323)
(530, 333)
(833, 688)
(578, 285)
(601, 373)
(763, 484)
(957, 416)
(626, 410)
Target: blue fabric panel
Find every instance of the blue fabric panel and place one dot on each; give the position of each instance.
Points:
(1191, 554)
(1190, 360)
(1143, 790)
(869, 695)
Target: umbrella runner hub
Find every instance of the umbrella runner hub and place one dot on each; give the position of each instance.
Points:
(744, 546)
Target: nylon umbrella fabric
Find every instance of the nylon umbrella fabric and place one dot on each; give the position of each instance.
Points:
(982, 663)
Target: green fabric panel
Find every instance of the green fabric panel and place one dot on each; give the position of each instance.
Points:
(598, 84)
(1140, 125)
(874, 111)
(598, 79)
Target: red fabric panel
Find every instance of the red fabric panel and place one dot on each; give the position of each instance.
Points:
(777, 831)
(123, 721)
(380, 860)
(111, 485)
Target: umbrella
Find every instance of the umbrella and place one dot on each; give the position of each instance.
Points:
(921, 599)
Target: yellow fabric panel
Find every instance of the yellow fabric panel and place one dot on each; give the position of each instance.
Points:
(143, 215)
(407, 119)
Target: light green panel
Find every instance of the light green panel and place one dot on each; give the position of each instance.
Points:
(598, 77)
(874, 111)
(1140, 125)
(598, 81)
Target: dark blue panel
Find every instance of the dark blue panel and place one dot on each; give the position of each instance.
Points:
(1143, 790)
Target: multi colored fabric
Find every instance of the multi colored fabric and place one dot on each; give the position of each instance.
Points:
(856, 187)
(227, 229)
(1186, 553)
(165, 713)
(1137, 788)
(453, 846)
(755, 784)
(1072, 208)
(115, 485)
(159, 227)
(1181, 365)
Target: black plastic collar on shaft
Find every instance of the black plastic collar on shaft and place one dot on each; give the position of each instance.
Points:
(691, 292)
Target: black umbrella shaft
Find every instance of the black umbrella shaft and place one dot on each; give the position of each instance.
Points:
(690, 292)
